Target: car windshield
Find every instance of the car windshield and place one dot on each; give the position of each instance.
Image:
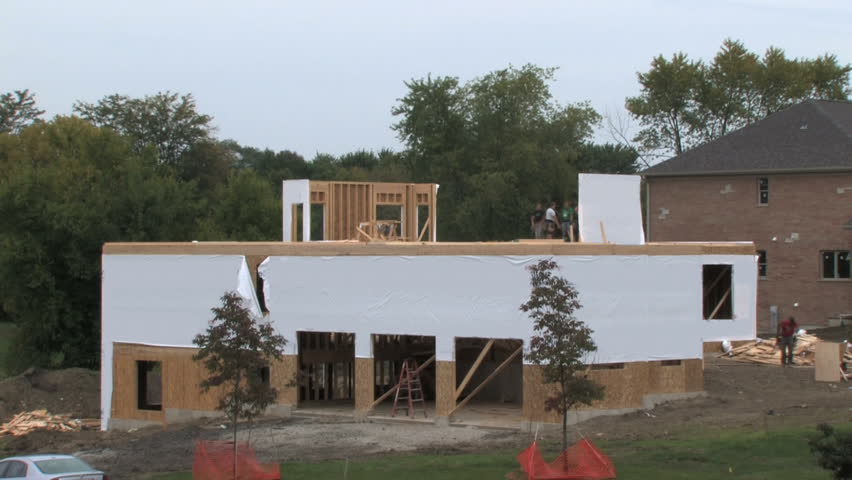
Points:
(63, 465)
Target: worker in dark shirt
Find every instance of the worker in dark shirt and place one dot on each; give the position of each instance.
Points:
(787, 340)
(537, 221)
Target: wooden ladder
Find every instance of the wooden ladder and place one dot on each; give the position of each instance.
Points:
(410, 389)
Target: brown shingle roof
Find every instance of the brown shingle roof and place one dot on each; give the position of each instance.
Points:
(815, 135)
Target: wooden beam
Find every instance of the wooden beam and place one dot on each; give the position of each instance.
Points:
(488, 379)
(603, 233)
(473, 368)
(719, 305)
(425, 226)
(721, 275)
(395, 387)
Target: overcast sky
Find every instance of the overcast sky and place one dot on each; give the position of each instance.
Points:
(315, 76)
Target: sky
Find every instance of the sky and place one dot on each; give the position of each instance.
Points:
(322, 76)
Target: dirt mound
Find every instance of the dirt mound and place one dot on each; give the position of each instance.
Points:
(74, 391)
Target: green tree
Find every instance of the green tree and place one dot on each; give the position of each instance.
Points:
(684, 103)
(67, 188)
(167, 121)
(666, 106)
(496, 145)
(561, 342)
(833, 450)
(607, 158)
(234, 349)
(18, 110)
(244, 209)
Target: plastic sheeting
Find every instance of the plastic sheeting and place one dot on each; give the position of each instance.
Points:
(640, 307)
(295, 192)
(163, 300)
(614, 201)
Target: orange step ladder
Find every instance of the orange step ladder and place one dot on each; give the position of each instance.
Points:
(410, 389)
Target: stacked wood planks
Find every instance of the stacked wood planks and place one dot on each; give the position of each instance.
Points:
(26, 422)
(768, 352)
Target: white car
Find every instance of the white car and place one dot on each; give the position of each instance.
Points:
(48, 467)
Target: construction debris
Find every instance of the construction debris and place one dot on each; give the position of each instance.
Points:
(767, 351)
(26, 422)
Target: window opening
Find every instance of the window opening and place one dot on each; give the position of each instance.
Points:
(149, 385)
(761, 263)
(717, 285)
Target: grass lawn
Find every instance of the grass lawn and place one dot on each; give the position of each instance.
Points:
(7, 334)
(778, 455)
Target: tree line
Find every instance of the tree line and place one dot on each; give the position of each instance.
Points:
(152, 169)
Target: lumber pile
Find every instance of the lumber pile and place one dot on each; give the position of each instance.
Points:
(26, 422)
(769, 353)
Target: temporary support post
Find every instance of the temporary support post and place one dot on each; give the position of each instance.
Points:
(488, 379)
(719, 305)
(473, 369)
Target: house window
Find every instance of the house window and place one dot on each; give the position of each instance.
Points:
(670, 363)
(835, 264)
(761, 263)
(763, 191)
(717, 283)
(149, 383)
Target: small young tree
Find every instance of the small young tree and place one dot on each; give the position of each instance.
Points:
(234, 350)
(561, 342)
(834, 451)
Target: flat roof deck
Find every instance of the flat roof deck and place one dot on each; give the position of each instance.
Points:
(344, 248)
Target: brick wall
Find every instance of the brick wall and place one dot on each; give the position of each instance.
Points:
(725, 208)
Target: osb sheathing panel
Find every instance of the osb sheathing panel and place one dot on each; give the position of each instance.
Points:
(694, 372)
(624, 388)
(181, 377)
(445, 388)
(282, 375)
(365, 390)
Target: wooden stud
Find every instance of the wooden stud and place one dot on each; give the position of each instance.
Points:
(473, 369)
(488, 379)
(603, 232)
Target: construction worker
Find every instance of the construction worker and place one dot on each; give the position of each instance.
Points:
(787, 340)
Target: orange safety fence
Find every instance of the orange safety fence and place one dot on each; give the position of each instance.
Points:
(581, 461)
(215, 461)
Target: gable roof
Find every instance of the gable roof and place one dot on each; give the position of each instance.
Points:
(815, 135)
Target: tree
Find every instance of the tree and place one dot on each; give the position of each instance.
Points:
(244, 209)
(234, 350)
(561, 342)
(496, 145)
(684, 103)
(666, 106)
(18, 110)
(834, 451)
(167, 121)
(607, 158)
(67, 187)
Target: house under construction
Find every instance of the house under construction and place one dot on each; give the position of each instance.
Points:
(357, 309)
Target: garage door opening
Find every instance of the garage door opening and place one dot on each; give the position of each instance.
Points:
(389, 353)
(489, 374)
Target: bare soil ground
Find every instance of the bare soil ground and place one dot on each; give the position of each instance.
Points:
(739, 396)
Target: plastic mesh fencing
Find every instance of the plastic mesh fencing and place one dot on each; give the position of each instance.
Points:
(215, 461)
(581, 461)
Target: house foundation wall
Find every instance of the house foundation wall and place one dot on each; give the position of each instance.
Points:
(638, 385)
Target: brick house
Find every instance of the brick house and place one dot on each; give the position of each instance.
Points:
(784, 183)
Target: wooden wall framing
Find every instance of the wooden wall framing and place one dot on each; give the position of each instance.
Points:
(346, 205)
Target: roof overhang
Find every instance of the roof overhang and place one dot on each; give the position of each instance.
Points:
(775, 171)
